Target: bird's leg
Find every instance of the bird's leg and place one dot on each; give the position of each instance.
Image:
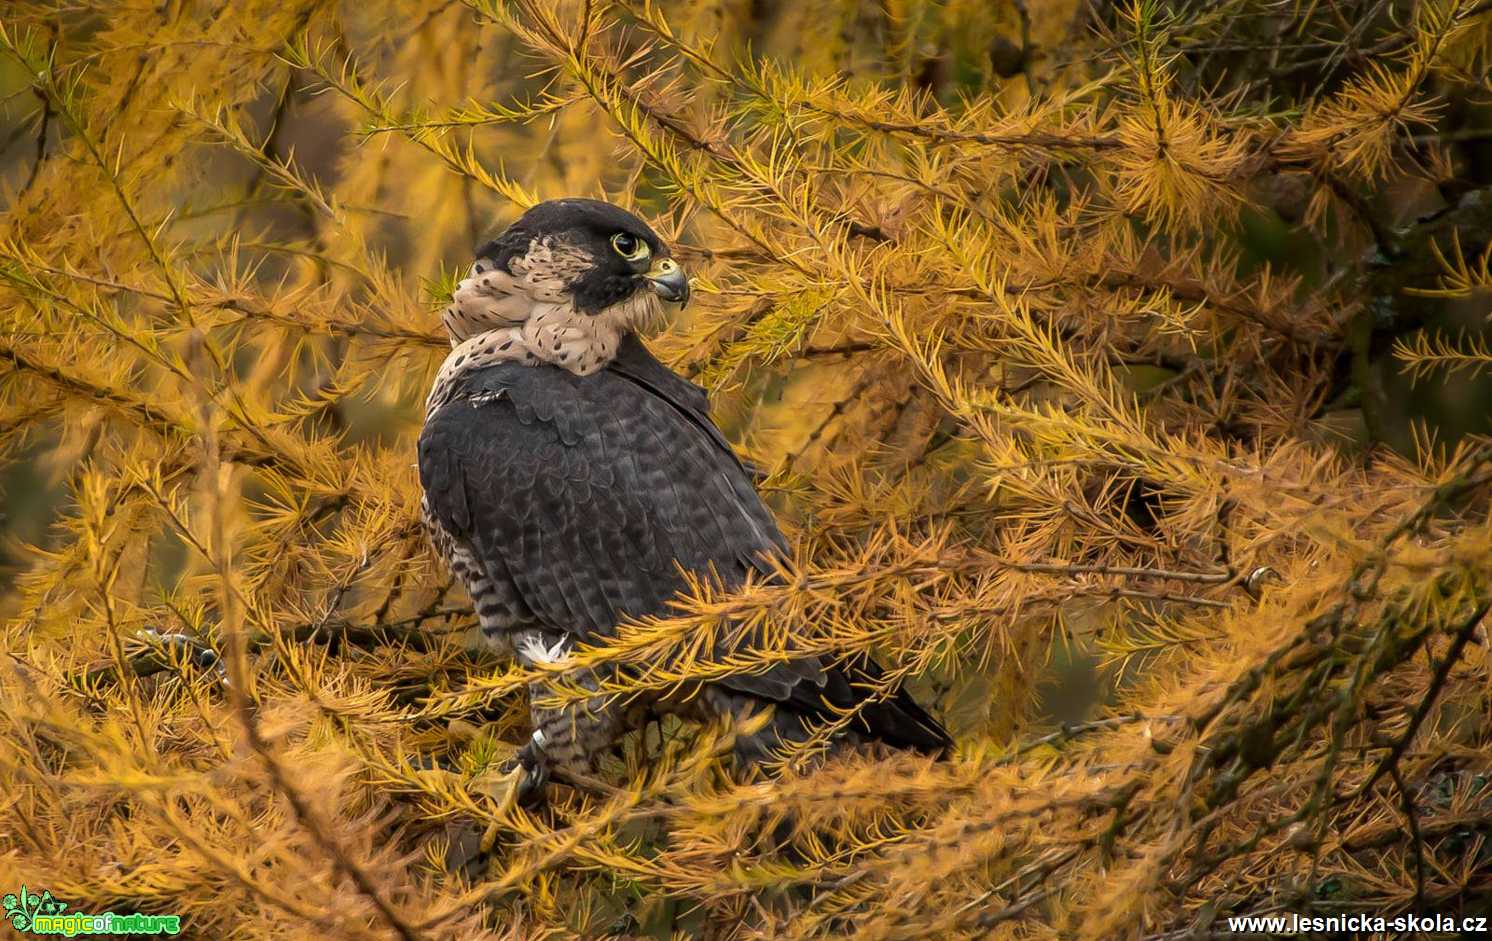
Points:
(566, 739)
(535, 764)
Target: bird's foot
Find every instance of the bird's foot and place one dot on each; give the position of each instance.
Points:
(535, 766)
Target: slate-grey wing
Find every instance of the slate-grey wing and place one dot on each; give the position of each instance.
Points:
(586, 493)
(589, 493)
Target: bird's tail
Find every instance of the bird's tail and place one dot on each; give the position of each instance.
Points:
(897, 721)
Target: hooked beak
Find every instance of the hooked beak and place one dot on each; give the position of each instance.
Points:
(668, 280)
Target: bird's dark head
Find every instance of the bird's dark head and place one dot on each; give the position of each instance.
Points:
(598, 254)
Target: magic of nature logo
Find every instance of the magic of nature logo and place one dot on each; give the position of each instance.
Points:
(41, 914)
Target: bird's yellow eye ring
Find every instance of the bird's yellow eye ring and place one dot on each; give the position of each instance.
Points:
(630, 246)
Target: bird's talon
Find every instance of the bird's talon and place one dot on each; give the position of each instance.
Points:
(531, 760)
(532, 788)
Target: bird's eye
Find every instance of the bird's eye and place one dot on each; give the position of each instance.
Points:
(629, 246)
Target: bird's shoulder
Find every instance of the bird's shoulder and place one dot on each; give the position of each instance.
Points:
(635, 390)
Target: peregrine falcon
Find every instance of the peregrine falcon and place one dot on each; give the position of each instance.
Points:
(570, 479)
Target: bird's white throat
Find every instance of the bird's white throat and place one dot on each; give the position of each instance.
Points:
(528, 317)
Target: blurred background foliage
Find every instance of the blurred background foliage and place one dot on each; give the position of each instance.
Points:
(1122, 364)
